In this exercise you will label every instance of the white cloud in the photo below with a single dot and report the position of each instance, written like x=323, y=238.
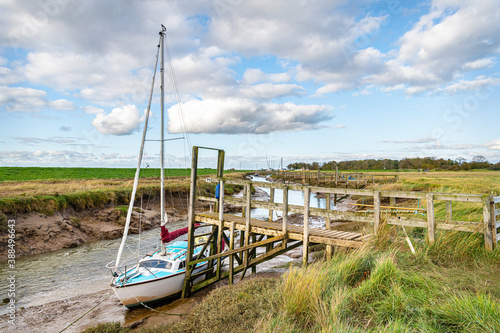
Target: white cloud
x=479, y=82
x=18, y=99
x=121, y=121
x=62, y=104
x=479, y=64
x=268, y=91
x=424, y=140
x=256, y=75
x=29, y=100
x=394, y=88
x=493, y=145
x=240, y=115
x=333, y=87
x=92, y=109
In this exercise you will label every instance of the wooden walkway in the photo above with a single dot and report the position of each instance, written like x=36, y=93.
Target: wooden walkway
x=322, y=236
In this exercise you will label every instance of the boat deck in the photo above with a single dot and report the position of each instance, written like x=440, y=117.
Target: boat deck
x=322, y=236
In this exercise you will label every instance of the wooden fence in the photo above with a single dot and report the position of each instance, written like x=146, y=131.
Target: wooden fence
x=488, y=225
x=337, y=179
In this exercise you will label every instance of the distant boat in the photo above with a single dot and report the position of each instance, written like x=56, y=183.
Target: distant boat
x=159, y=275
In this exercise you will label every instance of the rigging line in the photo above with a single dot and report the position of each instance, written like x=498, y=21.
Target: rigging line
x=77, y=319
x=176, y=91
x=141, y=150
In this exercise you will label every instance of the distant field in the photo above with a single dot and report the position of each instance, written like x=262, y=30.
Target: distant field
x=473, y=181
x=36, y=173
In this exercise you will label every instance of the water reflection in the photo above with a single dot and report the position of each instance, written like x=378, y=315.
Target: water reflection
x=294, y=198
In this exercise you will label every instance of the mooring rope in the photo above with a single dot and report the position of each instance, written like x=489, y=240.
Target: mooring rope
x=77, y=319
x=150, y=308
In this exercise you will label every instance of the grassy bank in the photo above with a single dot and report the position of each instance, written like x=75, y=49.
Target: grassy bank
x=50, y=195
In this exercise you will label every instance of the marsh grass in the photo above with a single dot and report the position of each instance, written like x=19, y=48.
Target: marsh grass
x=50, y=196
x=231, y=309
x=479, y=182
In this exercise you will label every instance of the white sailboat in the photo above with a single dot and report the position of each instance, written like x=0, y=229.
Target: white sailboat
x=159, y=275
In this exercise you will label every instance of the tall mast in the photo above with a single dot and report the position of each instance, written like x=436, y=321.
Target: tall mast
x=162, y=191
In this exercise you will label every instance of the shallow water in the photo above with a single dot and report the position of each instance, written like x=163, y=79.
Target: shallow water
x=294, y=198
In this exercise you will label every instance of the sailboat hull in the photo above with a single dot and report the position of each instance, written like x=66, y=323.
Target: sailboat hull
x=151, y=291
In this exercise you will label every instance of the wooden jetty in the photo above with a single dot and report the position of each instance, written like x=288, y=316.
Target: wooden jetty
x=278, y=237
x=334, y=178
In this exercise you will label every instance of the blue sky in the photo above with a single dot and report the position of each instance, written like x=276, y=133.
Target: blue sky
x=305, y=80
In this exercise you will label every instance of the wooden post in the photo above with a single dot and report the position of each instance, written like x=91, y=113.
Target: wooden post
x=271, y=199
x=285, y=215
x=231, y=257
x=186, y=290
x=248, y=207
x=449, y=211
x=336, y=176
x=488, y=223
x=329, y=248
x=221, y=227
x=431, y=222
x=220, y=164
x=242, y=238
x=327, y=207
x=305, y=243
x=335, y=199
x=392, y=201
x=493, y=222
x=254, y=240
x=376, y=211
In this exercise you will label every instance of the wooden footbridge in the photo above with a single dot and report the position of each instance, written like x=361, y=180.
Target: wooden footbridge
x=278, y=237
x=335, y=178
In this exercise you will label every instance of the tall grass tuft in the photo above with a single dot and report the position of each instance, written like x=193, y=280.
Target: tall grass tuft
x=231, y=309
x=479, y=313
x=452, y=247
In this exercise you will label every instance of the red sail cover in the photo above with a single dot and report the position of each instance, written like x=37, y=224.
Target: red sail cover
x=167, y=236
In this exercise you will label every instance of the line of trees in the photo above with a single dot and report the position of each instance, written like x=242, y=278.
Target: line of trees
x=430, y=163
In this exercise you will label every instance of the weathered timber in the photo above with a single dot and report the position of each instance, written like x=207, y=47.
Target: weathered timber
x=431, y=222
x=305, y=249
x=488, y=222
x=294, y=232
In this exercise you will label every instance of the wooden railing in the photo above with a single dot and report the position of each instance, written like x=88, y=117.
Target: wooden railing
x=488, y=226
x=334, y=178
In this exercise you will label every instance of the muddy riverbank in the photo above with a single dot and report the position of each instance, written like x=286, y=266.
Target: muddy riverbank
x=38, y=233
